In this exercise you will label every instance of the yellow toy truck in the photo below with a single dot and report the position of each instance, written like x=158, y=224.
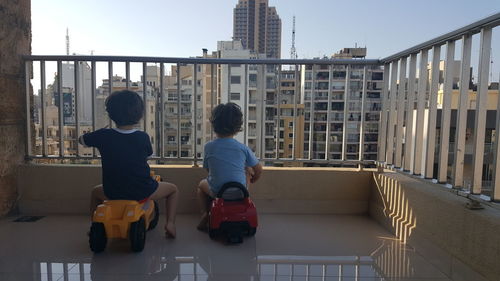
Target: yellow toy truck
x=123, y=219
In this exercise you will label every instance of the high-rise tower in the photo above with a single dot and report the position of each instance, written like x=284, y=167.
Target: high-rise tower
x=258, y=26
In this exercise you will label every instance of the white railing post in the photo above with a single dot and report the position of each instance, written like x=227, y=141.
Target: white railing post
x=400, y=111
x=382, y=136
x=392, y=114
x=421, y=97
x=461, y=128
x=495, y=181
x=446, y=112
x=431, y=124
x=481, y=102
x=410, y=106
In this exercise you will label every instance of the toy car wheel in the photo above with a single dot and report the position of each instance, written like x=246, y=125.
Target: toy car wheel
x=137, y=235
x=212, y=233
x=252, y=231
x=156, y=217
x=97, y=237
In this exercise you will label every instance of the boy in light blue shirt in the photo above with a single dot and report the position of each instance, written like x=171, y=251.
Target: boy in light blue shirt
x=226, y=159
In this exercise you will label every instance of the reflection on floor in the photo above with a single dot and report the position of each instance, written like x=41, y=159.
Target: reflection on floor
x=286, y=247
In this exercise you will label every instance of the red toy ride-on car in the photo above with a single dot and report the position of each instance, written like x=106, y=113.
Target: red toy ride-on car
x=232, y=213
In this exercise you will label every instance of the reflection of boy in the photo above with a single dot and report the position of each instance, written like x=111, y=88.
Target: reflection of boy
x=226, y=159
x=124, y=151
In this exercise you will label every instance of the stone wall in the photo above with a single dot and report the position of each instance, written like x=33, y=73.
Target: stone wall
x=15, y=41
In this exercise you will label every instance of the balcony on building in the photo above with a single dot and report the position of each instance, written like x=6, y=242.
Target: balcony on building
x=375, y=169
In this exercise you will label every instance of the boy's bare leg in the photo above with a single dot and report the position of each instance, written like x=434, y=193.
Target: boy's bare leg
x=96, y=198
x=202, y=193
x=170, y=192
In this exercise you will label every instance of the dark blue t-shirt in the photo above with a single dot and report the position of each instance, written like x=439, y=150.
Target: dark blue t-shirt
x=125, y=171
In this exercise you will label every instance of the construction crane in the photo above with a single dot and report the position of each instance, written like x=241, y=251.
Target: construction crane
x=293, y=51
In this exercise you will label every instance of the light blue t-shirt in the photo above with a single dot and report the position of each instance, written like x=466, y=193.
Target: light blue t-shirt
x=226, y=159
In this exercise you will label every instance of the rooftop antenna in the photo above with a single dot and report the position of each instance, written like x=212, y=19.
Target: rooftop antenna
x=293, y=51
x=67, y=41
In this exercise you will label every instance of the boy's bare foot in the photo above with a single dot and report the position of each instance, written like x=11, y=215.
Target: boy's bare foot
x=203, y=224
x=170, y=231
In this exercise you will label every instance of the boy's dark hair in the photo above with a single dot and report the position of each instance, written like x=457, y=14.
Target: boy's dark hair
x=227, y=119
x=125, y=107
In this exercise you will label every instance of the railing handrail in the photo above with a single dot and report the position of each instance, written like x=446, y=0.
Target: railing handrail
x=201, y=60
x=472, y=28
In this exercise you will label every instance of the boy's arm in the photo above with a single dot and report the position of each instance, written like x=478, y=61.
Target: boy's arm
x=91, y=139
x=257, y=171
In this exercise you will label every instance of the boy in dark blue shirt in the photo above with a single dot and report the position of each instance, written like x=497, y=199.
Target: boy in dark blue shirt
x=124, y=153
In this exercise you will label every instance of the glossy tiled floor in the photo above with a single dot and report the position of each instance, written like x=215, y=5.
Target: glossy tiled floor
x=286, y=247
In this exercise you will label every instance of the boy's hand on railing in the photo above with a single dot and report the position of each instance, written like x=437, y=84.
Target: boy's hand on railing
x=254, y=172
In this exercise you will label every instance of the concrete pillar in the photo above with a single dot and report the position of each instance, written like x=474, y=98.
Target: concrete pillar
x=15, y=31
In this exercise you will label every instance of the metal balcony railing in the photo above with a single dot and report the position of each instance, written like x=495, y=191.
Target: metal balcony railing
x=374, y=83
x=416, y=152
x=162, y=103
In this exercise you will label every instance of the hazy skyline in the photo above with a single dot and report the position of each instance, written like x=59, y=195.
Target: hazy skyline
x=183, y=28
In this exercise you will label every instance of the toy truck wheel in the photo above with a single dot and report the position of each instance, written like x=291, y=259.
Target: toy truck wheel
x=137, y=235
x=97, y=237
x=156, y=217
x=252, y=231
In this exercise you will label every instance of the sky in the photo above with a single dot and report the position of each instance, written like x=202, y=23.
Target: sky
x=168, y=28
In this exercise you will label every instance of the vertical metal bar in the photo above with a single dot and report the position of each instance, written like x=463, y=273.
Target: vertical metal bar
x=311, y=113
x=27, y=83
x=495, y=192
x=228, y=83
x=392, y=114
x=362, y=124
x=144, y=95
x=278, y=115
x=295, y=111
x=382, y=136
x=178, y=110
x=461, y=128
x=49, y=271
x=60, y=110
x=431, y=128
x=262, y=87
x=77, y=93
x=195, y=109
x=410, y=107
x=43, y=91
x=161, y=107
x=482, y=99
x=65, y=272
x=245, y=105
x=328, y=112
x=212, y=66
x=419, y=128
x=110, y=85
x=400, y=111
x=127, y=74
x=446, y=112
x=347, y=91
x=82, y=271
x=92, y=92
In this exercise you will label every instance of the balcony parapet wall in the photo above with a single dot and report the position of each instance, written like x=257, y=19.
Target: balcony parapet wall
x=437, y=223
x=65, y=189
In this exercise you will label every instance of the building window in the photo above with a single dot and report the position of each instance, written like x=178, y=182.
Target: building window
x=235, y=79
x=290, y=124
x=290, y=135
x=235, y=96
x=290, y=145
